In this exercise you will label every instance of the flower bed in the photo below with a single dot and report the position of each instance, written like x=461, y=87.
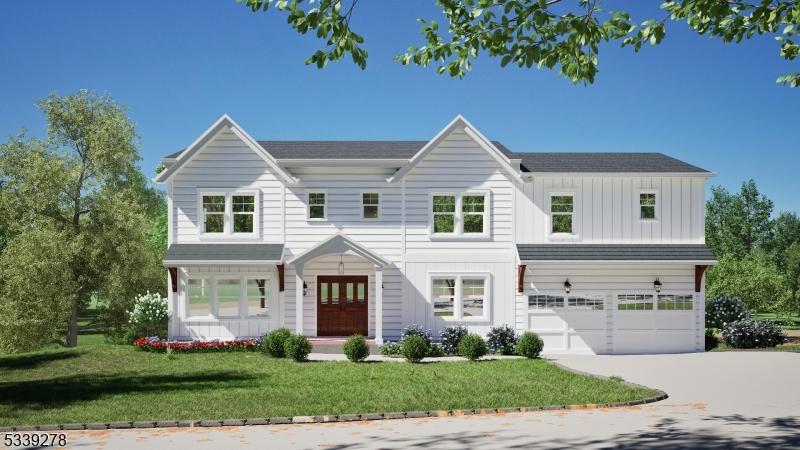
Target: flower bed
x=158, y=345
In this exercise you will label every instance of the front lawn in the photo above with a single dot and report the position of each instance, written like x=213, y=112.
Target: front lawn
x=786, y=321
x=117, y=383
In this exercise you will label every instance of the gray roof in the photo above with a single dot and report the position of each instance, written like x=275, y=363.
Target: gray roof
x=224, y=252
x=604, y=162
x=614, y=252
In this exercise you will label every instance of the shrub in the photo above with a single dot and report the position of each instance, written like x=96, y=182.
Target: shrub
x=149, y=315
x=753, y=334
x=529, y=345
x=451, y=336
x=356, y=348
x=501, y=340
x=390, y=349
x=414, y=347
x=275, y=341
x=416, y=330
x=297, y=347
x=712, y=341
x=472, y=347
x=435, y=351
x=722, y=310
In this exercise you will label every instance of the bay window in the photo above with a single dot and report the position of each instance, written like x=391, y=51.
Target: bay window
x=198, y=297
x=228, y=298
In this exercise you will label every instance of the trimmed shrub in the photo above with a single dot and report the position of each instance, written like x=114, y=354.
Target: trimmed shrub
x=390, y=349
x=416, y=330
x=753, y=334
x=435, y=351
x=529, y=345
x=712, y=341
x=451, y=336
x=356, y=348
x=414, y=348
x=722, y=310
x=472, y=347
x=501, y=340
x=297, y=347
x=274, y=342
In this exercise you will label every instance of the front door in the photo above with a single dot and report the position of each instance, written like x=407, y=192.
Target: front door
x=342, y=305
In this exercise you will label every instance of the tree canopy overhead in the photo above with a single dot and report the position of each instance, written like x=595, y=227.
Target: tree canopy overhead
x=564, y=35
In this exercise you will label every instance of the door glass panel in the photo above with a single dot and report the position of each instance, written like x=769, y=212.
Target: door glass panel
x=335, y=293
x=361, y=291
x=323, y=293
x=349, y=293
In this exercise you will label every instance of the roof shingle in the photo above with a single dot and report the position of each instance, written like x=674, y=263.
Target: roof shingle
x=614, y=252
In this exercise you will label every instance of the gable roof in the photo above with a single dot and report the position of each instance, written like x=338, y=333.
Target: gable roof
x=615, y=252
x=338, y=243
x=604, y=162
x=220, y=125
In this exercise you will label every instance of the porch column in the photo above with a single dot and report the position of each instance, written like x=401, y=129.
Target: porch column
x=379, y=305
x=298, y=305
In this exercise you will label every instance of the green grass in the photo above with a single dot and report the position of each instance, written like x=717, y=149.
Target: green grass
x=793, y=347
x=111, y=383
x=787, y=321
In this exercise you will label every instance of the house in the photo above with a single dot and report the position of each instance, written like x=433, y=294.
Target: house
x=596, y=252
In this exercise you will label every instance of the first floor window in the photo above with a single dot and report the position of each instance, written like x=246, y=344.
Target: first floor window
x=444, y=294
x=473, y=209
x=562, y=209
x=214, y=213
x=635, y=302
x=647, y=206
x=316, y=205
x=198, y=297
x=673, y=302
x=444, y=214
x=545, y=301
x=244, y=209
x=472, y=297
x=257, y=297
x=228, y=298
x=369, y=205
x=586, y=302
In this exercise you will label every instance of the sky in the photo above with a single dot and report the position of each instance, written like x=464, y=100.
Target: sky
x=180, y=65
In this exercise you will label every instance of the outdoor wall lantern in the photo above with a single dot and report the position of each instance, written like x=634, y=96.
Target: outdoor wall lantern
x=567, y=286
x=657, y=285
x=341, y=265
x=305, y=288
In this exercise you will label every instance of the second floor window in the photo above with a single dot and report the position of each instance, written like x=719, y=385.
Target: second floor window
x=460, y=214
x=562, y=211
x=228, y=213
x=369, y=205
x=244, y=210
x=472, y=207
x=444, y=213
x=214, y=213
x=316, y=205
x=647, y=206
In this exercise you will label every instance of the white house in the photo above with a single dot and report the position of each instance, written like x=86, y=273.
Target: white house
x=596, y=252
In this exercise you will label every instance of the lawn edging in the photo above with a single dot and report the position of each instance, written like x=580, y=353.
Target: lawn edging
x=117, y=425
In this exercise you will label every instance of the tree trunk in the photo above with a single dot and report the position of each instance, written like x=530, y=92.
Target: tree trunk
x=72, y=326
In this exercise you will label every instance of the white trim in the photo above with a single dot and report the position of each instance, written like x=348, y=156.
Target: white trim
x=324, y=217
x=337, y=244
x=361, y=202
x=458, y=301
x=575, y=236
x=458, y=122
x=224, y=122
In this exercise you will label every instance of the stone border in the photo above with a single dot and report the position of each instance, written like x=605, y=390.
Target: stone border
x=660, y=395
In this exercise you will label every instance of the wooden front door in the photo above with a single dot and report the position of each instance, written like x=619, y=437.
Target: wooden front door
x=342, y=305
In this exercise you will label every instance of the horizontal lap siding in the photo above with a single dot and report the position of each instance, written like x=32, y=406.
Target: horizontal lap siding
x=607, y=209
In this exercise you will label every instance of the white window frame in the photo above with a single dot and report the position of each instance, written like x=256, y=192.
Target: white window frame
x=244, y=309
x=361, y=201
x=228, y=233
x=217, y=279
x=212, y=290
x=213, y=308
x=576, y=217
x=656, y=208
x=458, y=304
x=324, y=205
x=458, y=215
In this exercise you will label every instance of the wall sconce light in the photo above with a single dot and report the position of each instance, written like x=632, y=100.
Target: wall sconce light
x=567, y=286
x=341, y=265
x=657, y=285
x=305, y=288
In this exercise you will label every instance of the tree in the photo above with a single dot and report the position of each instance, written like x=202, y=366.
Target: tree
x=549, y=33
x=792, y=271
x=737, y=224
x=786, y=231
x=79, y=200
x=751, y=278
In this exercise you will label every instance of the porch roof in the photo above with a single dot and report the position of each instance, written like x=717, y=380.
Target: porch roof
x=336, y=244
x=221, y=253
x=672, y=253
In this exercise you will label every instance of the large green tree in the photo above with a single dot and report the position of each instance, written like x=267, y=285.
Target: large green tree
x=78, y=219
x=751, y=278
x=557, y=34
x=738, y=223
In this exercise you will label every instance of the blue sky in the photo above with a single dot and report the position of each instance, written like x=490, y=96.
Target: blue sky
x=179, y=65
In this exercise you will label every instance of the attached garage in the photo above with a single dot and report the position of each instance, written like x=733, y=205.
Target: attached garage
x=601, y=299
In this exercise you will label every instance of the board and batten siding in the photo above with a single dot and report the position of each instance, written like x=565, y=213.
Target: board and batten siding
x=607, y=209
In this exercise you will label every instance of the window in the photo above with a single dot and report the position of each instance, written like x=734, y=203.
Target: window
x=635, y=302
x=444, y=294
x=316, y=205
x=472, y=296
x=244, y=210
x=562, y=209
x=369, y=205
x=647, y=206
x=586, y=302
x=472, y=207
x=228, y=298
x=545, y=301
x=673, y=302
x=257, y=297
x=444, y=214
x=214, y=213
x=198, y=297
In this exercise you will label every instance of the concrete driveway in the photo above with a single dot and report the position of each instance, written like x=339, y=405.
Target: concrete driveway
x=717, y=400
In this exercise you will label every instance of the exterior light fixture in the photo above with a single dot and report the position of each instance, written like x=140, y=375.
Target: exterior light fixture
x=657, y=285
x=341, y=265
x=567, y=286
x=305, y=288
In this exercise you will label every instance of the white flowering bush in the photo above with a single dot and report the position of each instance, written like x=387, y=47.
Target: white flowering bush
x=149, y=315
x=753, y=334
x=723, y=310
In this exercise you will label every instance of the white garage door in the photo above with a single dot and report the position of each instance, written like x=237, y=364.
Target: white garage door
x=650, y=323
x=574, y=323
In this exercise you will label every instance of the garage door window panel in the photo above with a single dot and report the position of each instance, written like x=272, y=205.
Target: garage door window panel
x=635, y=302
